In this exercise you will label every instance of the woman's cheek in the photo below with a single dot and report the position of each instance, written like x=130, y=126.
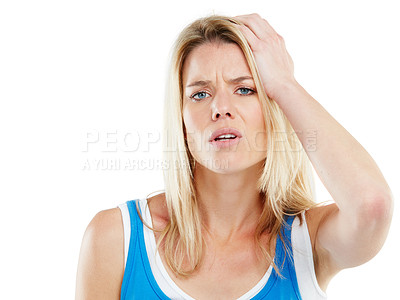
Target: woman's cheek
x=190, y=121
x=256, y=125
x=193, y=130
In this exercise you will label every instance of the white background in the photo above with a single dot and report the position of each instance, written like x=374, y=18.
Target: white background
x=70, y=70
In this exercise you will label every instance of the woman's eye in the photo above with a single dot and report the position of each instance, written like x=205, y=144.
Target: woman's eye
x=246, y=91
x=199, y=96
x=202, y=95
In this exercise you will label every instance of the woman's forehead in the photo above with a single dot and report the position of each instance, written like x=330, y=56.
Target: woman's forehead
x=207, y=60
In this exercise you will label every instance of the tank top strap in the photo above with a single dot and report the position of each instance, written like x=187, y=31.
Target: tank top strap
x=133, y=242
x=138, y=281
x=287, y=284
x=283, y=250
x=283, y=286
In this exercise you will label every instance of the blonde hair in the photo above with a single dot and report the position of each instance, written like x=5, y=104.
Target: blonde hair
x=285, y=183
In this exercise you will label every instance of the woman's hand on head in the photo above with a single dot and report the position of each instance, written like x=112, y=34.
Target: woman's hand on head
x=274, y=63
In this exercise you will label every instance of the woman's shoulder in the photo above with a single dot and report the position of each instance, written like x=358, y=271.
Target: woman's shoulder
x=101, y=260
x=106, y=225
x=104, y=234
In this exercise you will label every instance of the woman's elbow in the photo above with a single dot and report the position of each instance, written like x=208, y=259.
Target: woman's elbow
x=376, y=213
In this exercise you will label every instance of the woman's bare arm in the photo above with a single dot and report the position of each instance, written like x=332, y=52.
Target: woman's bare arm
x=353, y=230
x=101, y=260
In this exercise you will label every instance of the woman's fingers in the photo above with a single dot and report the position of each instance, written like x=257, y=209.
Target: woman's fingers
x=249, y=35
x=259, y=26
x=273, y=61
x=270, y=28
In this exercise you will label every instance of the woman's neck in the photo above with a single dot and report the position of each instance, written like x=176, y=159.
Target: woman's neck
x=230, y=204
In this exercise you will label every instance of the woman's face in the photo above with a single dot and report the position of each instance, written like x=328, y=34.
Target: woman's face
x=219, y=93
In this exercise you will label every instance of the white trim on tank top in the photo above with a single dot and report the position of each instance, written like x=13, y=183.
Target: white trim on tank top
x=302, y=256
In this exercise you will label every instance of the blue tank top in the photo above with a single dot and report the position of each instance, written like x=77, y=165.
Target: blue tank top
x=139, y=282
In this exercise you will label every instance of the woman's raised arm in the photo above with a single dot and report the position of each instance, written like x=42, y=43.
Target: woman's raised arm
x=353, y=231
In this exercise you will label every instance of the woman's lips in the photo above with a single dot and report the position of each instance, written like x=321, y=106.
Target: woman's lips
x=222, y=131
x=225, y=143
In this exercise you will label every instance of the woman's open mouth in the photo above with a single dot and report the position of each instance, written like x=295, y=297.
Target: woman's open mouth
x=223, y=143
x=225, y=137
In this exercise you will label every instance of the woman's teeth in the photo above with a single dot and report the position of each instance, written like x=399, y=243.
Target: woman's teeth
x=225, y=137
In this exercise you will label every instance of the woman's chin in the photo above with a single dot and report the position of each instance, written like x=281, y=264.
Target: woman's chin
x=223, y=165
x=229, y=164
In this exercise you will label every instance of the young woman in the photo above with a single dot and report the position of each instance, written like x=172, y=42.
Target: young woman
x=237, y=219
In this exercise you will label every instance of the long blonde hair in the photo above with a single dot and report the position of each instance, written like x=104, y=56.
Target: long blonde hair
x=286, y=179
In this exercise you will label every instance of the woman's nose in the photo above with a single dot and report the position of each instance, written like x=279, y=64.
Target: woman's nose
x=222, y=107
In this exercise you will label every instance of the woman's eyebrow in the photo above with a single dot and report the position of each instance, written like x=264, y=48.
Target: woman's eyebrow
x=240, y=79
x=199, y=83
x=206, y=82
